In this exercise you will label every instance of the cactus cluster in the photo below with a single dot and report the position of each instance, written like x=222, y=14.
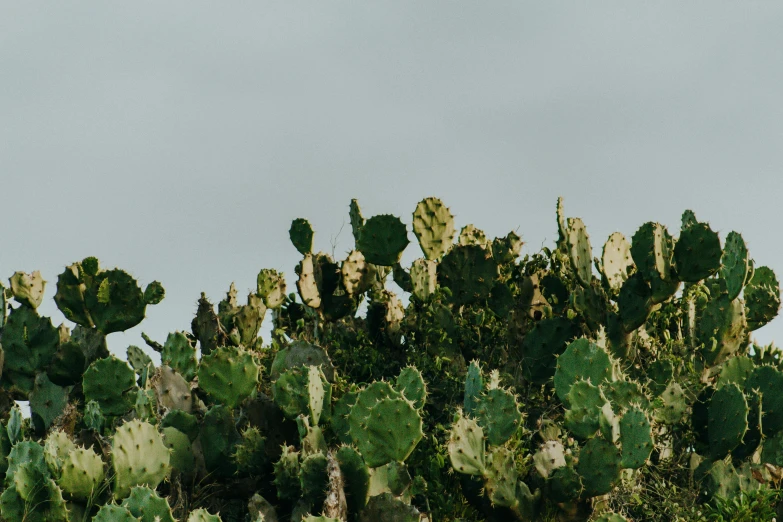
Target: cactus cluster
x=556, y=385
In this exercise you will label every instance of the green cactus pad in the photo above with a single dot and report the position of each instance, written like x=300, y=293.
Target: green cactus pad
x=498, y=413
x=180, y=354
x=580, y=251
x=583, y=419
x=355, y=273
x=474, y=387
x=147, y=506
x=549, y=457
x=171, y=390
x=356, y=218
x=112, y=384
x=138, y=360
x=470, y=235
x=735, y=264
x=542, y=345
x=634, y=302
x=218, y=437
x=270, y=286
x=565, y=485
x=68, y=364
x=625, y=394
x=769, y=381
x=616, y=261
x=424, y=278
x=93, y=416
x=29, y=342
x=697, y=253
x=56, y=448
x=390, y=431
x=47, y=401
x=183, y=421
x=635, y=438
x=313, y=478
x=286, y=471
x=722, y=329
x=339, y=421
x=202, y=515
x=762, y=298
x=382, y=240
x=652, y=250
x=599, y=466
x=356, y=475
x=182, y=457
x=501, y=478
x=114, y=513
x=306, y=285
x=735, y=370
x=772, y=452
x=670, y=406
x=466, y=447
x=469, y=272
x=506, y=249
x=301, y=234
x=727, y=420
x=115, y=301
x=412, y=386
x=154, y=293
x=582, y=359
x=138, y=457
x=28, y=289
x=433, y=226
x=206, y=327
x=228, y=374
x=298, y=354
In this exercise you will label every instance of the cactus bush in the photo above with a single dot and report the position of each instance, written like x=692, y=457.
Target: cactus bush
x=498, y=386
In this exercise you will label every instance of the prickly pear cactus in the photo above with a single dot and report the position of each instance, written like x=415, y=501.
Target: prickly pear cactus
x=491, y=384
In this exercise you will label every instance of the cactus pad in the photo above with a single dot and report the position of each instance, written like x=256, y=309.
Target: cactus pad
x=112, y=384
x=635, y=438
x=393, y=429
x=697, y=253
x=599, y=466
x=301, y=234
x=542, y=345
x=228, y=374
x=382, y=240
x=138, y=457
x=762, y=298
x=466, y=447
x=147, y=506
x=582, y=359
x=549, y=457
x=616, y=261
x=28, y=289
x=735, y=264
x=412, y=386
x=433, y=226
x=769, y=381
x=580, y=251
x=727, y=420
x=498, y=413
x=469, y=272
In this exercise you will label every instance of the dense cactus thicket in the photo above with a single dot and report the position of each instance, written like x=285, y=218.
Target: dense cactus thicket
x=550, y=386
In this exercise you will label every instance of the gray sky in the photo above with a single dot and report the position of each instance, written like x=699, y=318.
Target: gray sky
x=178, y=140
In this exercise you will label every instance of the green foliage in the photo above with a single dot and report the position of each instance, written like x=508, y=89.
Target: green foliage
x=551, y=386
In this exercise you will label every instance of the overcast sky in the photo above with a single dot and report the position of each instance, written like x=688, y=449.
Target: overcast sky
x=178, y=140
